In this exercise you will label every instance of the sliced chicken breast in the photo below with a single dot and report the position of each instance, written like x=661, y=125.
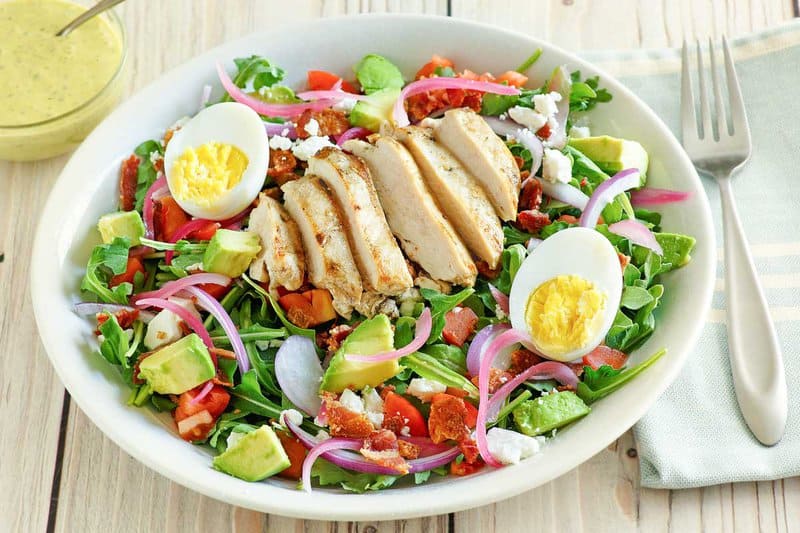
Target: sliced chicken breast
x=425, y=235
x=328, y=258
x=487, y=157
x=458, y=193
x=281, y=261
x=380, y=261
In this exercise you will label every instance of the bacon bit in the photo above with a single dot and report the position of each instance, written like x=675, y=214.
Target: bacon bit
x=394, y=423
x=497, y=378
x=381, y=447
x=407, y=450
x=487, y=272
x=343, y=422
x=331, y=122
x=520, y=162
x=168, y=136
x=281, y=166
x=522, y=360
x=385, y=390
x=135, y=375
x=577, y=368
x=424, y=104
x=470, y=450
x=458, y=393
x=465, y=469
x=447, y=419
x=125, y=319
x=624, y=260
x=569, y=219
x=273, y=192
x=127, y=183
x=531, y=195
x=532, y=220
x=220, y=352
x=584, y=182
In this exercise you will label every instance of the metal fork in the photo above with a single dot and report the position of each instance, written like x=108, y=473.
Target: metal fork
x=720, y=149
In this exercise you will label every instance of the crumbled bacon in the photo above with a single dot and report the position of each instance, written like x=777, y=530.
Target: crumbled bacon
x=342, y=422
x=331, y=122
x=624, y=260
x=519, y=161
x=487, y=272
x=125, y=318
x=394, y=423
x=521, y=360
x=425, y=104
x=531, y=195
x=382, y=447
x=497, y=378
x=447, y=419
x=470, y=450
x=127, y=183
x=407, y=450
x=281, y=166
x=532, y=220
x=569, y=219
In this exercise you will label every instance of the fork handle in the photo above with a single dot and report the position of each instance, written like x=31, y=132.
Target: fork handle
x=756, y=361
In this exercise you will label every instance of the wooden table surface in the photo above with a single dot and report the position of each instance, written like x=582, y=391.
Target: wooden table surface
x=59, y=473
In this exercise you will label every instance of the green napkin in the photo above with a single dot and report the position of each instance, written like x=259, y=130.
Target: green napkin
x=694, y=435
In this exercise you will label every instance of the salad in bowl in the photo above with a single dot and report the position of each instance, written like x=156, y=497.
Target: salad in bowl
x=369, y=280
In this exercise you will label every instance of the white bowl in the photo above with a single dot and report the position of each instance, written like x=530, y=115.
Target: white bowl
x=87, y=189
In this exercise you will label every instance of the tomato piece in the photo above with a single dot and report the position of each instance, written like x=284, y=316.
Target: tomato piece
x=603, y=355
x=513, y=78
x=458, y=325
x=205, y=232
x=297, y=454
x=321, y=305
x=134, y=265
x=215, y=291
x=464, y=469
x=471, y=420
x=214, y=404
x=544, y=131
x=298, y=309
x=168, y=218
x=396, y=405
x=532, y=220
x=429, y=68
x=569, y=219
x=128, y=176
x=322, y=80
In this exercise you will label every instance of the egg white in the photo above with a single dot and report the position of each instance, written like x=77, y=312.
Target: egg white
x=230, y=123
x=580, y=252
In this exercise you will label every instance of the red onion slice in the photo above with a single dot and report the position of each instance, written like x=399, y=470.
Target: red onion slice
x=194, y=323
x=546, y=370
x=264, y=108
x=93, y=308
x=477, y=346
x=421, y=333
x=158, y=187
x=415, y=87
x=320, y=449
x=207, y=302
x=561, y=83
x=523, y=135
x=500, y=298
x=273, y=129
x=650, y=196
x=352, y=133
x=637, y=233
x=605, y=192
x=174, y=287
x=181, y=233
x=203, y=392
x=299, y=373
x=331, y=94
x=564, y=192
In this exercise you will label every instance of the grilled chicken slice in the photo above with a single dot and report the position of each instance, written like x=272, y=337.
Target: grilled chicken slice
x=458, y=193
x=281, y=261
x=473, y=142
x=330, y=264
x=380, y=261
x=425, y=235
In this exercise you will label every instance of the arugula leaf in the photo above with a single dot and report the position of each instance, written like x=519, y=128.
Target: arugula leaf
x=635, y=297
x=553, y=228
x=146, y=172
x=264, y=371
x=162, y=404
x=511, y=260
x=597, y=384
x=256, y=72
x=528, y=63
x=441, y=304
x=328, y=473
x=512, y=235
x=294, y=330
x=227, y=424
x=108, y=260
x=404, y=331
x=247, y=397
x=429, y=367
x=115, y=345
x=586, y=94
x=518, y=150
x=448, y=355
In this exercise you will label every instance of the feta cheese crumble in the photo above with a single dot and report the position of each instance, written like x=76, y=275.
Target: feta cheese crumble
x=305, y=149
x=345, y=104
x=510, y=447
x=279, y=142
x=556, y=167
x=312, y=127
x=579, y=132
x=546, y=103
x=166, y=325
x=351, y=401
x=424, y=389
x=527, y=117
x=374, y=406
x=292, y=415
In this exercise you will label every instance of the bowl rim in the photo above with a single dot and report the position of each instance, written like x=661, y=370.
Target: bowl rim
x=416, y=501
x=116, y=24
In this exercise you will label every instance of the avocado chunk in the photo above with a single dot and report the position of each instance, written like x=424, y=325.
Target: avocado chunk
x=121, y=224
x=256, y=456
x=178, y=367
x=373, y=111
x=612, y=154
x=230, y=252
x=371, y=337
x=375, y=72
x=677, y=250
x=548, y=412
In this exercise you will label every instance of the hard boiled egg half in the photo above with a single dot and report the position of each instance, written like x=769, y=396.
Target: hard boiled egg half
x=217, y=162
x=566, y=294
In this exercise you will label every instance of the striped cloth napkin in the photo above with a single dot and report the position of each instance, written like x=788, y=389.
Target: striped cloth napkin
x=694, y=435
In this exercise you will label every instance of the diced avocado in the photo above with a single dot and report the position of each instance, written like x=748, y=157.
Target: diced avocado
x=371, y=112
x=256, y=456
x=277, y=94
x=371, y=337
x=375, y=72
x=230, y=252
x=677, y=250
x=612, y=154
x=178, y=367
x=121, y=224
x=548, y=412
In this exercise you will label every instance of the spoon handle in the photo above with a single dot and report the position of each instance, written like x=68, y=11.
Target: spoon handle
x=98, y=8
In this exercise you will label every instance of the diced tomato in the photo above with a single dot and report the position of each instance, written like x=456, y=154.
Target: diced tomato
x=569, y=219
x=298, y=309
x=205, y=232
x=297, y=454
x=321, y=305
x=127, y=183
x=168, y=218
x=215, y=291
x=532, y=220
x=458, y=325
x=603, y=355
x=469, y=75
x=513, y=78
x=544, y=131
x=429, y=68
x=464, y=469
x=531, y=195
x=214, y=404
x=134, y=265
x=396, y=405
x=471, y=420
x=322, y=80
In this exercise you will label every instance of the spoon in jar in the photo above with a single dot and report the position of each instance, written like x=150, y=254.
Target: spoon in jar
x=98, y=8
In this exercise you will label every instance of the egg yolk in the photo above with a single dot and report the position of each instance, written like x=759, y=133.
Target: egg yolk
x=562, y=313
x=204, y=174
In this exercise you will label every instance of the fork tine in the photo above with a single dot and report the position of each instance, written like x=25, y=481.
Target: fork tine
x=738, y=115
x=688, y=117
x=706, y=131
x=722, y=124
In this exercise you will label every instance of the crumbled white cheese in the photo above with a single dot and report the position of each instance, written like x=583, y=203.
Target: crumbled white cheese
x=279, y=142
x=499, y=313
x=321, y=435
x=424, y=389
x=166, y=325
x=292, y=415
x=155, y=156
x=546, y=103
x=305, y=149
x=527, y=117
x=510, y=447
x=556, y=167
x=234, y=437
x=579, y=132
x=405, y=431
x=312, y=127
x=345, y=104
x=374, y=406
x=351, y=401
